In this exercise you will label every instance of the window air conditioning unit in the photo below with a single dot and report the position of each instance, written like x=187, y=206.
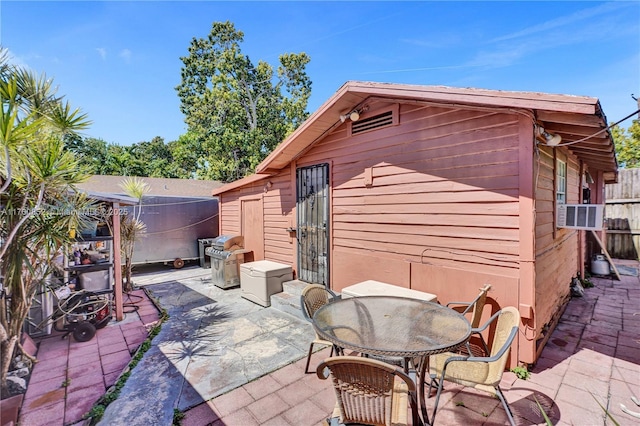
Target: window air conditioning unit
x=580, y=216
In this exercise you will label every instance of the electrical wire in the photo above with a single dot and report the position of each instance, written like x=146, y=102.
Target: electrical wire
x=204, y=200
x=595, y=134
x=182, y=227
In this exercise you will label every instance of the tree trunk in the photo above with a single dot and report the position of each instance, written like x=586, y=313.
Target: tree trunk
x=8, y=345
x=127, y=285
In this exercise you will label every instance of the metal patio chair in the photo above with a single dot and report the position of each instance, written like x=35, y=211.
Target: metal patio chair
x=313, y=297
x=368, y=391
x=484, y=372
x=475, y=308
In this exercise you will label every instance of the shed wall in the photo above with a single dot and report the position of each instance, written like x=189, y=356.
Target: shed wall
x=427, y=203
x=432, y=203
x=557, y=254
x=278, y=194
x=444, y=193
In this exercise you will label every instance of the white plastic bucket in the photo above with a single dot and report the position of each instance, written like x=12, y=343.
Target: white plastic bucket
x=599, y=265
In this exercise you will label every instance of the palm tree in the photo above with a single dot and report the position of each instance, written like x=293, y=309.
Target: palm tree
x=38, y=201
x=131, y=227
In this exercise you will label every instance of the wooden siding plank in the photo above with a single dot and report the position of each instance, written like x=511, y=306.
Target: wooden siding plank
x=436, y=230
x=466, y=175
x=472, y=244
x=488, y=183
x=426, y=219
x=418, y=134
x=394, y=147
x=495, y=209
x=412, y=195
x=430, y=184
x=433, y=256
x=428, y=163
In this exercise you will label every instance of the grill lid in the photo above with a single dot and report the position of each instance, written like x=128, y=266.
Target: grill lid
x=228, y=242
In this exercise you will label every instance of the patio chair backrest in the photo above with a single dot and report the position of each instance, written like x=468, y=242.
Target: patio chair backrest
x=480, y=372
x=508, y=319
x=477, y=306
x=313, y=297
x=367, y=391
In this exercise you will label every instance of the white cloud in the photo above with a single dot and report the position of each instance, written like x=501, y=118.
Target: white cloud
x=102, y=52
x=563, y=22
x=443, y=41
x=126, y=55
x=14, y=60
x=580, y=27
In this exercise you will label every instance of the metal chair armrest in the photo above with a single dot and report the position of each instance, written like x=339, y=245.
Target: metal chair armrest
x=458, y=306
x=486, y=324
x=458, y=303
x=304, y=310
x=503, y=349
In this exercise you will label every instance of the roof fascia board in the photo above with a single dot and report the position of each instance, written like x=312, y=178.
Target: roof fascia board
x=240, y=182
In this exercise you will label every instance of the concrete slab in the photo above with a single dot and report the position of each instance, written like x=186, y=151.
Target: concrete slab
x=213, y=342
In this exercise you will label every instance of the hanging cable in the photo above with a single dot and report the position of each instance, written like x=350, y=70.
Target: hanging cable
x=178, y=203
x=182, y=227
x=597, y=133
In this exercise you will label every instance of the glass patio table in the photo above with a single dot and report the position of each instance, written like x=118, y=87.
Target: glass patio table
x=391, y=326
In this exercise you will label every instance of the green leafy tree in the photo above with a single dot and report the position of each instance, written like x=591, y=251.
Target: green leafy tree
x=155, y=157
x=627, y=143
x=92, y=152
x=121, y=161
x=38, y=204
x=188, y=157
x=177, y=159
x=239, y=111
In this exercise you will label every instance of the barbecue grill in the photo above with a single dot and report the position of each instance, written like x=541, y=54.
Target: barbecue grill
x=227, y=253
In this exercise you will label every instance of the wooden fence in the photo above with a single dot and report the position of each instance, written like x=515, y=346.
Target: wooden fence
x=623, y=215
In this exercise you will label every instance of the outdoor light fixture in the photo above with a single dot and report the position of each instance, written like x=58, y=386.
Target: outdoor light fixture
x=353, y=115
x=550, y=139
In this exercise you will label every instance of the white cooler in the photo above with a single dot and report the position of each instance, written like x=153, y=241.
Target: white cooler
x=260, y=279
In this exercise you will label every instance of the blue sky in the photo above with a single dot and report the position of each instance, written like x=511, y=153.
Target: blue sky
x=120, y=61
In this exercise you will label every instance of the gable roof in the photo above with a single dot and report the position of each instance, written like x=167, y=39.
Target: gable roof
x=157, y=186
x=571, y=117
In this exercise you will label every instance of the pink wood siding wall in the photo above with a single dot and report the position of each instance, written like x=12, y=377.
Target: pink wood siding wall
x=279, y=214
x=434, y=203
x=557, y=250
x=431, y=204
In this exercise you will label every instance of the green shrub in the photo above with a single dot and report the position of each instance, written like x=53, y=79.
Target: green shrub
x=521, y=372
x=177, y=417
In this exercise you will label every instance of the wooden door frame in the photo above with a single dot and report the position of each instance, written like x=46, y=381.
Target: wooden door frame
x=329, y=234
x=260, y=199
